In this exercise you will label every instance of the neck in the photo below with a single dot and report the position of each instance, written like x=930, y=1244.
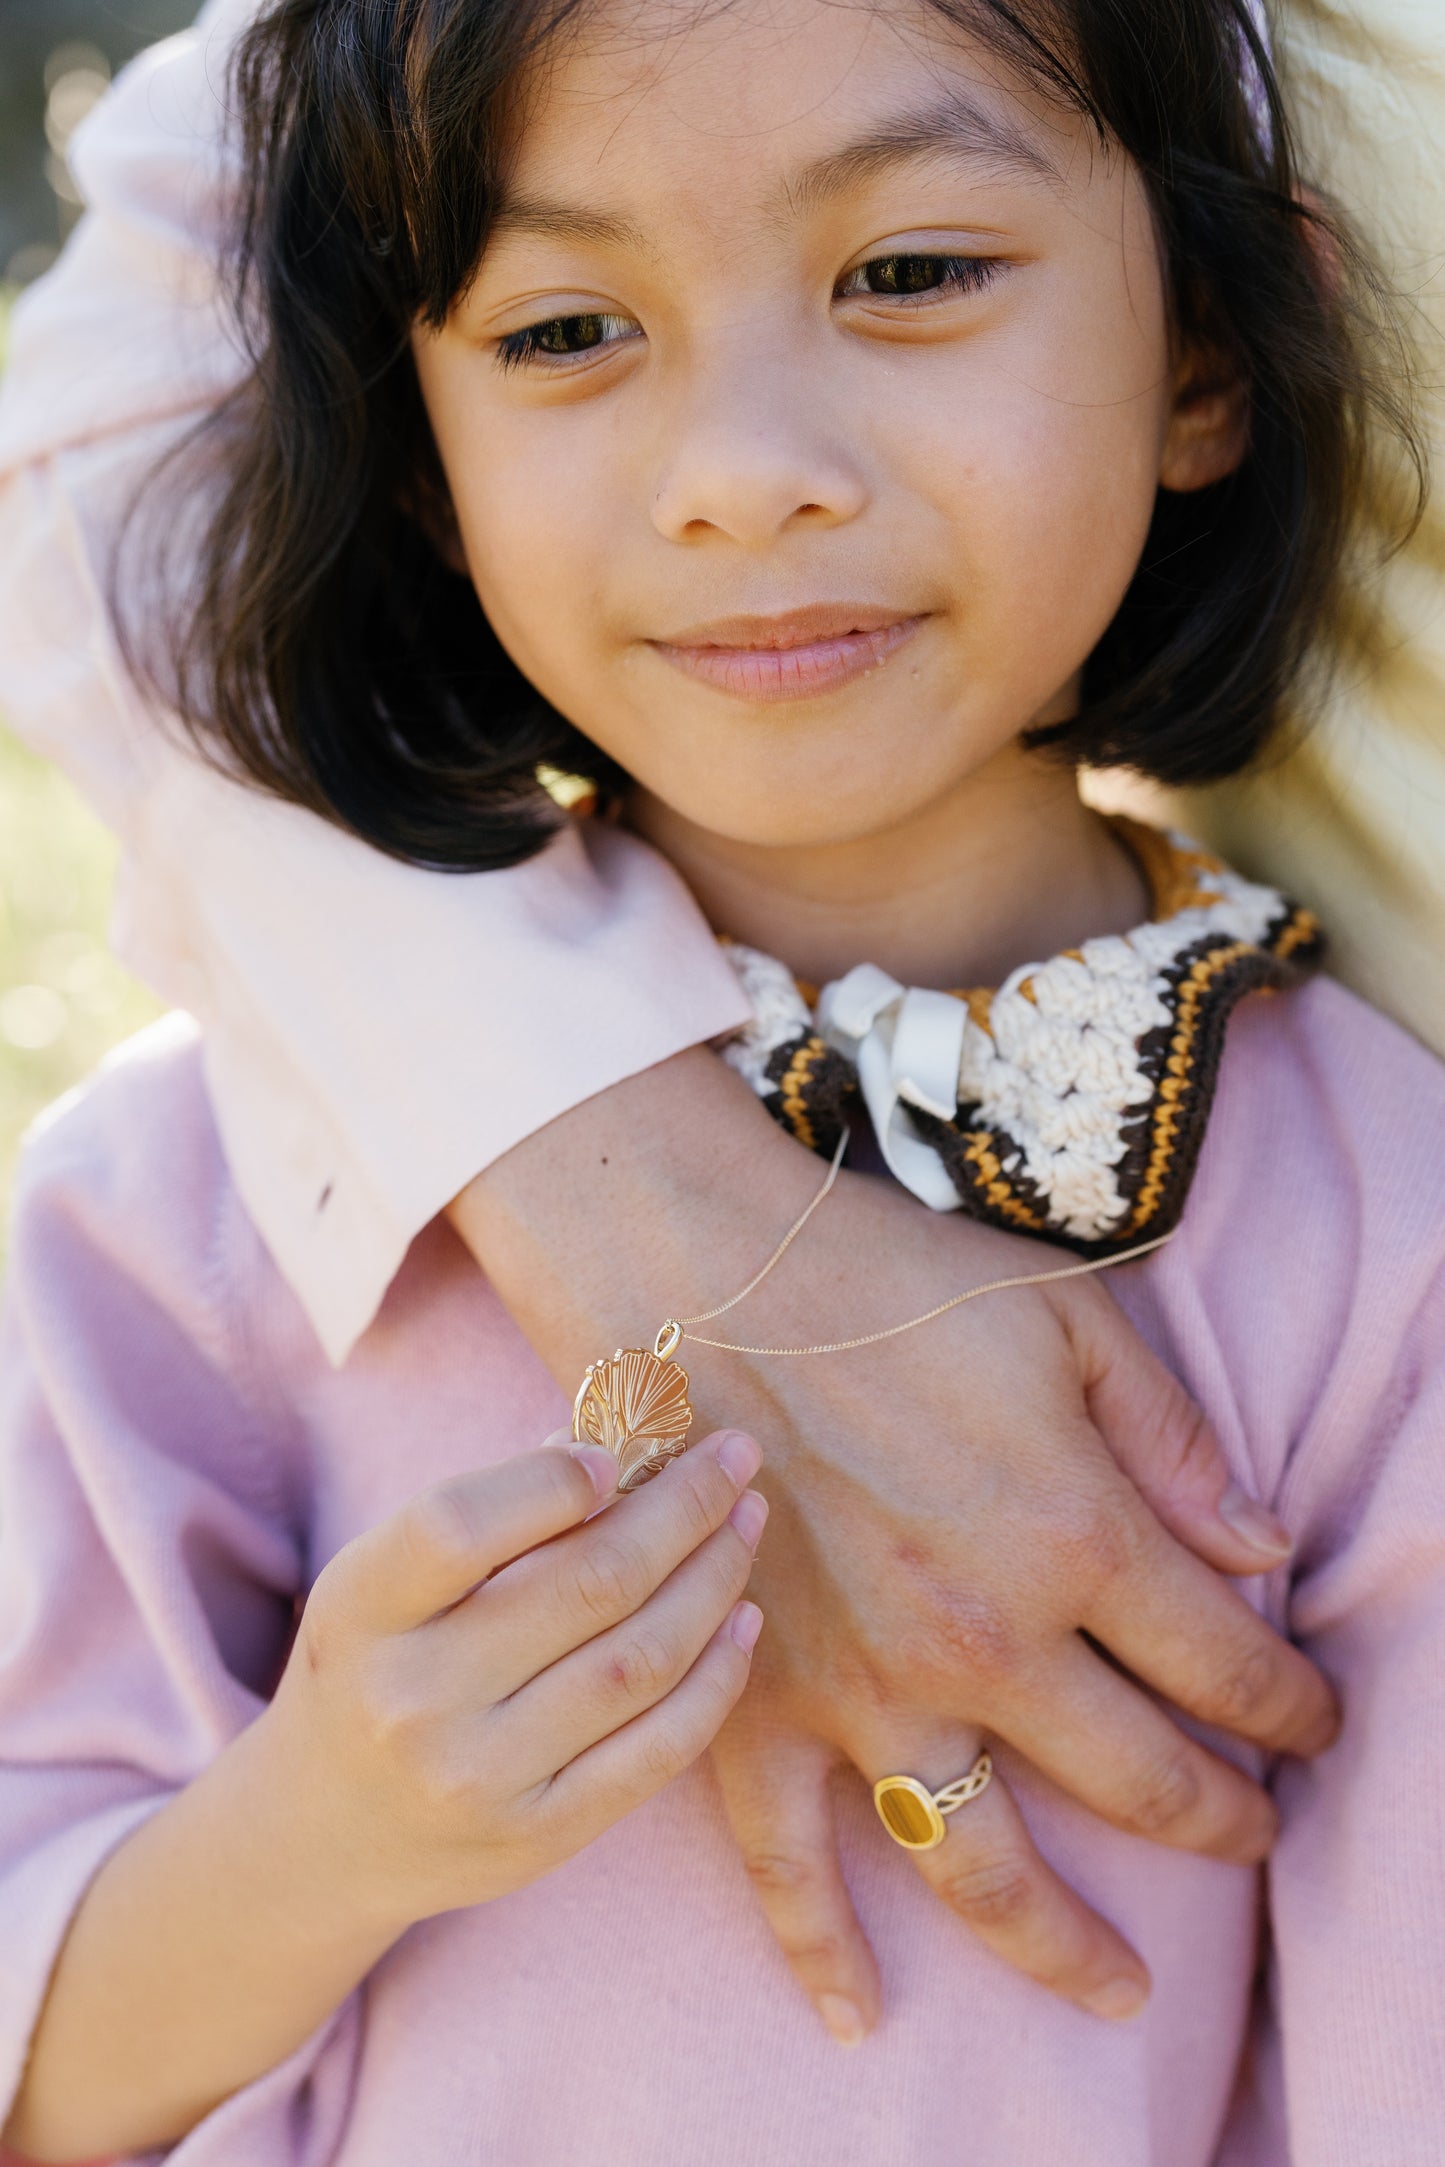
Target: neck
x=1009, y=868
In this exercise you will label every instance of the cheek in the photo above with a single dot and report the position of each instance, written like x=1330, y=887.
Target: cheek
x=1066, y=493
x=1047, y=469
x=534, y=519
x=534, y=530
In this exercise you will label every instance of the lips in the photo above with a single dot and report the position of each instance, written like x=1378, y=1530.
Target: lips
x=791, y=657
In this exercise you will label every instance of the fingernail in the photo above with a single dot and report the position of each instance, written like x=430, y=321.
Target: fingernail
x=738, y=1456
x=749, y=1516
x=1120, y=1998
x=601, y=1466
x=843, y=2019
x=1253, y=1524
x=747, y=1623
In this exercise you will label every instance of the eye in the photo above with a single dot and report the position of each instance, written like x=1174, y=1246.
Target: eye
x=559, y=339
x=918, y=277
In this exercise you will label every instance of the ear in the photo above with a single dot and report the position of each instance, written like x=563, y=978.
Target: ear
x=1208, y=432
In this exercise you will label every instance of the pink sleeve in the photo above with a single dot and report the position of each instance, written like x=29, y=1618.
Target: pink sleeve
x=150, y=1547
x=375, y=1035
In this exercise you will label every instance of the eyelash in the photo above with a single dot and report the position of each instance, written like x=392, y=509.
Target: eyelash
x=959, y=275
x=519, y=348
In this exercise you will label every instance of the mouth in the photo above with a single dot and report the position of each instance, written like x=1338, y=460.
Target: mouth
x=791, y=657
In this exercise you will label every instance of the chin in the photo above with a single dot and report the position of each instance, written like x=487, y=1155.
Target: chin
x=796, y=819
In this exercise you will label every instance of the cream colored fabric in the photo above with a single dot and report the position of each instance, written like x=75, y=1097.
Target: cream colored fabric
x=1353, y=822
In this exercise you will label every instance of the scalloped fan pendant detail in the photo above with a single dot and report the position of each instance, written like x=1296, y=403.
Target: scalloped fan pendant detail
x=636, y=1406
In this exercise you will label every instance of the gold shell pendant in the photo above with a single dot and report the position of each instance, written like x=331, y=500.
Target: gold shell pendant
x=637, y=1407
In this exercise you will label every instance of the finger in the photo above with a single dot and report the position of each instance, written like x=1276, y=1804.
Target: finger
x=622, y=1770
x=1164, y=1444
x=443, y=1542
x=989, y=1871
x=1172, y=1622
x=1103, y=1740
x=777, y=1790
x=549, y=1603
x=619, y=1674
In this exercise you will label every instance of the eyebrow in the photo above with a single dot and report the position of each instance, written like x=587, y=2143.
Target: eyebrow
x=954, y=128
x=565, y=222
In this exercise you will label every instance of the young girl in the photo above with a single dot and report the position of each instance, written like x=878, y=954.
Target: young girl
x=817, y=487
x=380, y=1038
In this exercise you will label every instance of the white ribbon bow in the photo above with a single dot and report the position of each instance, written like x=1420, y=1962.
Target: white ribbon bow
x=907, y=1046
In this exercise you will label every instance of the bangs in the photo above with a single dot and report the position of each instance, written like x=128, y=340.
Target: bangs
x=420, y=100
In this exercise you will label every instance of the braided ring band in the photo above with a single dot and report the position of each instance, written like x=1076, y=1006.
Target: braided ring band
x=913, y=1815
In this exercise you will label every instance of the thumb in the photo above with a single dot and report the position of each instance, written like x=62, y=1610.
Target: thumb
x=1166, y=1445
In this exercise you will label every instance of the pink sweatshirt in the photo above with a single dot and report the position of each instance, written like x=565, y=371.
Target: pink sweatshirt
x=178, y=1459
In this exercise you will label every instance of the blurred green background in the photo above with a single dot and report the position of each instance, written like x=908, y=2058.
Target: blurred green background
x=63, y=998
x=56, y=57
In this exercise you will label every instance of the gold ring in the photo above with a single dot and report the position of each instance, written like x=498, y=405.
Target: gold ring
x=913, y=1815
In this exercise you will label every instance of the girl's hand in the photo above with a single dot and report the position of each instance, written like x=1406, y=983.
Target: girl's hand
x=956, y=1511
x=482, y=1684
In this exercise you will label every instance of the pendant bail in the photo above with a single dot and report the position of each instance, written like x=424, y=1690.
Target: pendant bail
x=668, y=1340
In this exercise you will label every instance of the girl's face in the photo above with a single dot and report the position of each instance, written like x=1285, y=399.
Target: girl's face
x=804, y=421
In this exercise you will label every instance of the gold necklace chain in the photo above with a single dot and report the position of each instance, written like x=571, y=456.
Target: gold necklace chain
x=635, y=1404
x=676, y=1328
x=705, y=1316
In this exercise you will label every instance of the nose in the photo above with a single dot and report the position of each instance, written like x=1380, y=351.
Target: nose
x=750, y=455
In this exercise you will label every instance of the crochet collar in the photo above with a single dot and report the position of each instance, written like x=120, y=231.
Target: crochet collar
x=1071, y=1101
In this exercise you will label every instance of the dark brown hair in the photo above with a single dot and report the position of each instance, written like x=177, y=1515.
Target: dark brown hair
x=324, y=649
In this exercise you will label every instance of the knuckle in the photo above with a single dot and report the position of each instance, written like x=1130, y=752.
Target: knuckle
x=721, y=1683
x=320, y=1629
x=818, y=1956
x=441, y=1790
x=1187, y=1440
x=699, y=1499
x=1090, y=1543
x=1084, y=1301
x=1247, y=1689
x=871, y=1683
x=1165, y=1795
x=959, y=1633
x=569, y=1491
x=398, y=1727
x=781, y=1874
x=641, y=1667
x=609, y=1579
x=420, y=1759
x=729, y=1570
x=437, y=1527
x=1312, y=1721
x=667, y=1753
x=993, y=1892
x=313, y=1648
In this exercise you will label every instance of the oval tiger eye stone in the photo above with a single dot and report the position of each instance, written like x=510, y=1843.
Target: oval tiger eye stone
x=908, y=1813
